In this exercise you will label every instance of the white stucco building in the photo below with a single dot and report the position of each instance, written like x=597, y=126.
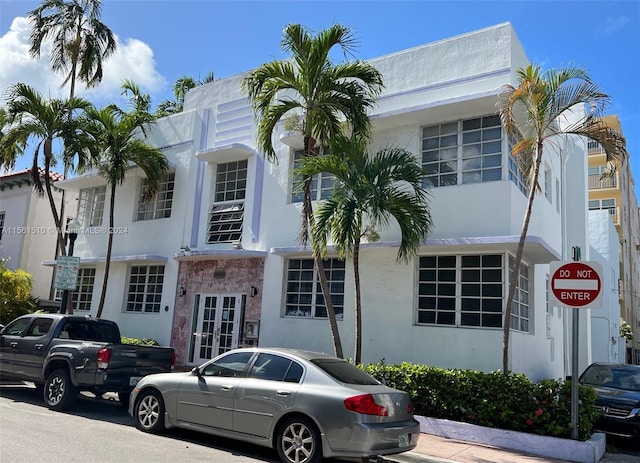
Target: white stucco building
x=213, y=262
x=27, y=229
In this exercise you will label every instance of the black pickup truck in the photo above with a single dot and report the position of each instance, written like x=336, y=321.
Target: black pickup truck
x=65, y=354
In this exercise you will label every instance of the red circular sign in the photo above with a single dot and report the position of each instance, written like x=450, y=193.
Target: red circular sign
x=576, y=284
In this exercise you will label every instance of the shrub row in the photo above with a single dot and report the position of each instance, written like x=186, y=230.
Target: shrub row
x=139, y=342
x=496, y=400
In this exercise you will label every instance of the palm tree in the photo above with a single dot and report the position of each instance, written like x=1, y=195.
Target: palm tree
x=116, y=136
x=80, y=40
x=533, y=112
x=180, y=89
x=325, y=95
x=370, y=193
x=47, y=122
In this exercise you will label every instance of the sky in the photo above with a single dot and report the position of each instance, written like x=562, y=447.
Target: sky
x=161, y=40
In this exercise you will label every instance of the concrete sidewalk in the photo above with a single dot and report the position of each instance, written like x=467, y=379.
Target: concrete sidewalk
x=435, y=449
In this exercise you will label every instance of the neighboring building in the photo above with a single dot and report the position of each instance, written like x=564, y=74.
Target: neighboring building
x=27, y=230
x=617, y=195
x=214, y=262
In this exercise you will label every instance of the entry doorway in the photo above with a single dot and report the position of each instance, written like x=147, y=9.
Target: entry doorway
x=216, y=320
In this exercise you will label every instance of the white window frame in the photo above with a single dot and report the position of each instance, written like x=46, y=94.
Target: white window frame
x=83, y=294
x=520, y=308
x=226, y=214
x=91, y=202
x=148, y=282
x=463, y=152
x=159, y=206
x=303, y=294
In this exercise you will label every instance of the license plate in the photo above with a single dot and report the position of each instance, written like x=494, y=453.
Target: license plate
x=133, y=380
x=404, y=440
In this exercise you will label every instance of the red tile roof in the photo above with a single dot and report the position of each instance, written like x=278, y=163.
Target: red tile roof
x=53, y=176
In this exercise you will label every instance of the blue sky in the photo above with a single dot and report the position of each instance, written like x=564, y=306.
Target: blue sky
x=161, y=40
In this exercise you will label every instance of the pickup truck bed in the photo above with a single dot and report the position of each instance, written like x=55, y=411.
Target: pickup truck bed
x=65, y=354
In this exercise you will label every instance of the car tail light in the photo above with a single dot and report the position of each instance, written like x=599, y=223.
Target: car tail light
x=410, y=408
x=366, y=405
x=173, y=358
x=104, y=357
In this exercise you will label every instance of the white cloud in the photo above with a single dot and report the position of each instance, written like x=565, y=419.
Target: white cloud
x=133, y=60
x=612, y=25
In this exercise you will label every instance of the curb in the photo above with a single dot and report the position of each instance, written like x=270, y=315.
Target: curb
x=590, y=451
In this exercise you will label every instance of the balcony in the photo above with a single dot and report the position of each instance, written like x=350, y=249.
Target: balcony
x=594, y=148
x=597, y=183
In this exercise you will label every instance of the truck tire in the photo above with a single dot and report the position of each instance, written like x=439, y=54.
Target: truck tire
x=149, y=412
x=59, y=391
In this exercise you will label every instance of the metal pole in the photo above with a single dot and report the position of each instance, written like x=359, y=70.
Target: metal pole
x=574, y=364
x=65, y=293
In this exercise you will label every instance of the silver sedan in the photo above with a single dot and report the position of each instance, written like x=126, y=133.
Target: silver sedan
x=308, y=406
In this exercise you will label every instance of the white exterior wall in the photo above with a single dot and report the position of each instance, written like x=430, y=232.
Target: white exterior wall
x=29, y=236
x=607, y=345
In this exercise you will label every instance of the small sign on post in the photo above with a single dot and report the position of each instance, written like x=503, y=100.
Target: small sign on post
x=66, y=272
x=576, y=284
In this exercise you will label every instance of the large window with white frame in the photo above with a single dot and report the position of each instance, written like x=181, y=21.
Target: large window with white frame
x=303, y=293
x=159, y=205
x=463, y=152
x=321, y=184
x=83, y=294
x=226, y=214
x=144, y=293
x=91, y=206
x=520, y=305
x=461, y=290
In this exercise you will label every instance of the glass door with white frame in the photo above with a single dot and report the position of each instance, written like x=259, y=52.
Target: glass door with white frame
x=217, y=325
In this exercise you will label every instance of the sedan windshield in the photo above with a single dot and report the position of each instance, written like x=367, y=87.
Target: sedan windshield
x=345, y=372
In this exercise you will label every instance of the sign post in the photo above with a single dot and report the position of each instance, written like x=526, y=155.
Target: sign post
x=575, y=284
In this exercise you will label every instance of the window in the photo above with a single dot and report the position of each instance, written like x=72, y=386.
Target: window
x=547, y=183
x=82, y=295
x=158, y=206
x=461, y=290
x=91, y=206
x=515, y=172
x=303, y=294
x=321, y=184
x=468, y=151
x=603, y=204
x=345, y=372
x=39, y=327
x=145, y=288
x=2, y=213
x=226, y=214
x=231, y=365
x=275, y=368
x=520, y=305
x=16, y=327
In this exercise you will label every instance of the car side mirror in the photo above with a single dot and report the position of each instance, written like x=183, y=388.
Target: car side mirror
x=196, y=372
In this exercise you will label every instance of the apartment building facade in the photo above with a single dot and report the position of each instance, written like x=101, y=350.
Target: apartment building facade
x=213, y=262
x=617, y=195
x=27, y=229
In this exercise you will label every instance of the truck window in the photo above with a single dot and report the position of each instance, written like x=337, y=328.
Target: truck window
x=16, y=327
x=90, y=330
x=39, y=327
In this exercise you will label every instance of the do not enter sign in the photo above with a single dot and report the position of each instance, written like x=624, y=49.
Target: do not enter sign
x=576, y=284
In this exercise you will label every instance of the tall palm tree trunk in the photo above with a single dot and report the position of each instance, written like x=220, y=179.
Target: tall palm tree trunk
x=322, y=276
x=518, y=260
x=57, y=220
x=107, y=259
x=356, y=274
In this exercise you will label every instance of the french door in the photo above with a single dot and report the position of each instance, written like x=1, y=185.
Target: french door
x=217, y=325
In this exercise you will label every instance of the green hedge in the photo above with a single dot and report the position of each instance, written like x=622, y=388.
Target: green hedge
x=139, y=342
x=496, y=400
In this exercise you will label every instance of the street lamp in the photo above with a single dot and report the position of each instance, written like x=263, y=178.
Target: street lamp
x=73, y=227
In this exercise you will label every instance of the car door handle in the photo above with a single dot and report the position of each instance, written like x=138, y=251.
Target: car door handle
x=226, y=387
x=13, y=344
x=283, y=393
x=39, y=346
